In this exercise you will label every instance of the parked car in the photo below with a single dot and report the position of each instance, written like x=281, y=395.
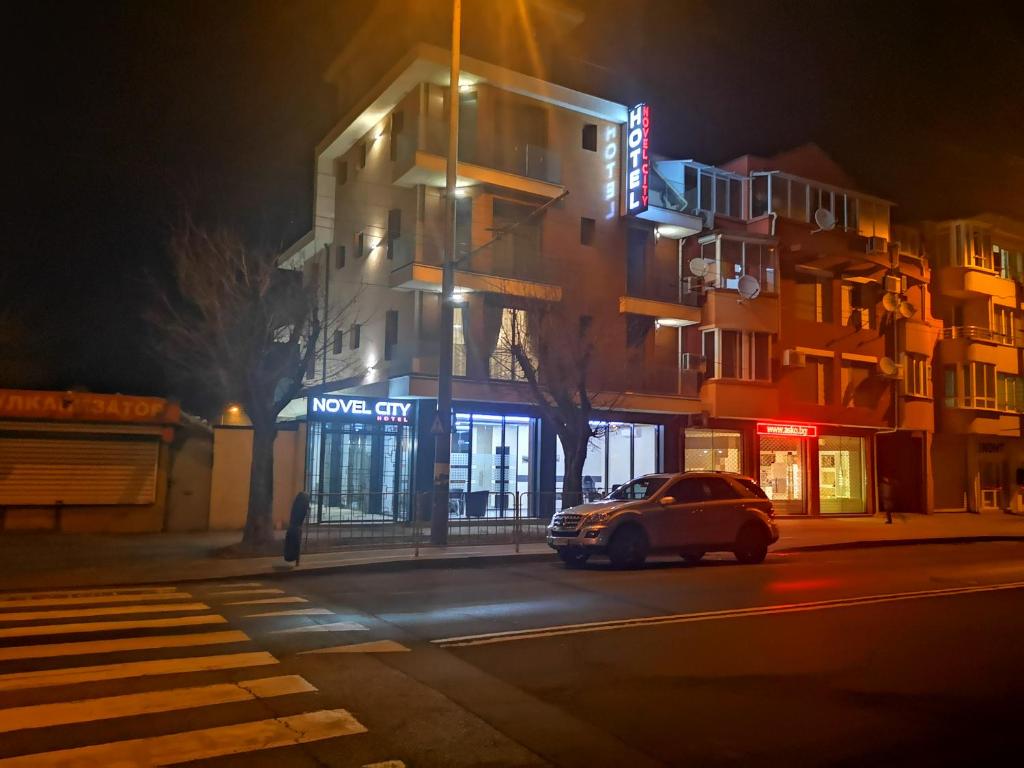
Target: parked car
x=691, y=513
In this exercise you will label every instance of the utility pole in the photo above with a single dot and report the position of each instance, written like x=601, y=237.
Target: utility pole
x=442, y=425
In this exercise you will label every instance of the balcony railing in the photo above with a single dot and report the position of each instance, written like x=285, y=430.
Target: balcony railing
x=978, y=333
x=667, y=289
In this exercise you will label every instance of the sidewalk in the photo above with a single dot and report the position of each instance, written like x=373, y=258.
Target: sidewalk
x=56, y=560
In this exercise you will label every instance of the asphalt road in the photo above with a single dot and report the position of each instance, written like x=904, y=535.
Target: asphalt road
x=888, y=656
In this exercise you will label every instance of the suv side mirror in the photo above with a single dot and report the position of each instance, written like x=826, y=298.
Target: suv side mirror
x=667, y=501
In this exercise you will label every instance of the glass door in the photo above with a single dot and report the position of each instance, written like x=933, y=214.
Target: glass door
x=782, y=473
x=841, y=475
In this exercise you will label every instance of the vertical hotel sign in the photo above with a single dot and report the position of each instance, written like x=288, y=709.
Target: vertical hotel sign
x=638, y=161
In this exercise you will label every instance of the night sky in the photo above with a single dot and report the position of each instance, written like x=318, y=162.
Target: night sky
x=122, y=114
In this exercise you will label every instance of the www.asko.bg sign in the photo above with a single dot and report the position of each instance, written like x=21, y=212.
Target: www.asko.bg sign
x=360, y=409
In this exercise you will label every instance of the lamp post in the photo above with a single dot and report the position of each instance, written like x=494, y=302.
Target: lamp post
x=442, y=424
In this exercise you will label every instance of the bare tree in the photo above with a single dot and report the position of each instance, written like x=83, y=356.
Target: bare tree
x=555, y=348
x=244, y=331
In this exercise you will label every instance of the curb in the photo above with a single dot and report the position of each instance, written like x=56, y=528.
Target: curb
x=879, y=543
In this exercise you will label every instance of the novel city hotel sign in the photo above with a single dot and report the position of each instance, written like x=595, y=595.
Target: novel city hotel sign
x=638, y=159
x=359, y=409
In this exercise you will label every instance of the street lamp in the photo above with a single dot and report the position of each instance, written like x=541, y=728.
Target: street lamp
x=442, y=423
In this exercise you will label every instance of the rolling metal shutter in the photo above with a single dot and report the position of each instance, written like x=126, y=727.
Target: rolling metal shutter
x=78, y=470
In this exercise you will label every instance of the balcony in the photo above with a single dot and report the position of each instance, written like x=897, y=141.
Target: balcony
x=663, y=299
x=977, y=333
x=508, y=273
x=971, y=282
x=670, y=210
x=524, y=167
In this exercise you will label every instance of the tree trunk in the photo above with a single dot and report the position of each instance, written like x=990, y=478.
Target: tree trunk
x=575, y=449
x=259, y=523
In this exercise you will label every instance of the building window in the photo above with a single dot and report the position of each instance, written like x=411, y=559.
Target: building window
x=341, y=171
x=390, y=333
x=917, y=381
x=615, y=455
x=710, y=450
x=735, y=258
x=397, y=121
x=504, y=364
x=361, y=157
x=360, y=245
x=857, y=306
x=737, y=355
x=458, y=341
x=339, y=257
x=492, y=460
x=394, y=230
x=813, y=299
x=971, y=385
x=587, y=231
x=590, y=137
x=853, y=378
x=842, y=475
x=353, y=336
x=822, y=367
x=1009, y=393
x=1004, y=325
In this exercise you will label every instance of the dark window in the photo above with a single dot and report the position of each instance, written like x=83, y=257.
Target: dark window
x=687, y=491
x=719, y=488
x=342, y=172
x=586, y=231
x=360, y=245
x=362, y=155
x=390, y=332
x=463, y=226
x=339, y=342
x=394, y=229
x=750, y=488
x=590, y=137
x=339, y=257
x=397, y=120
x=353, y=336
x=311, y=367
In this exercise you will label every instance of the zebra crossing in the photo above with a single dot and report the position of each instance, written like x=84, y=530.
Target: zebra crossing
x=74, y=661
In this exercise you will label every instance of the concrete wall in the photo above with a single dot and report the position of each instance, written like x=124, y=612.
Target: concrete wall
x=232, y=460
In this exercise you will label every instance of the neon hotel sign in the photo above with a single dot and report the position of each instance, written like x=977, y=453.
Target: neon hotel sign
x=361, y=409
x=638, y=161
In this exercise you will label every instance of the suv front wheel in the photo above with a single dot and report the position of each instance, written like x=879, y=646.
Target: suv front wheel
x=628, y=547
x=751, y=544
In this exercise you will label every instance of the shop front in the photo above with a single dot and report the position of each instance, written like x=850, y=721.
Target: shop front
x=372, y=459
x=805, y=469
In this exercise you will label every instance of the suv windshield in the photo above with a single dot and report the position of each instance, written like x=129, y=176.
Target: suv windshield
x=642, y=488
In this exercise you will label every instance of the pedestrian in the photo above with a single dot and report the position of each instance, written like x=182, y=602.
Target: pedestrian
x=885, y=497
x=293, y=536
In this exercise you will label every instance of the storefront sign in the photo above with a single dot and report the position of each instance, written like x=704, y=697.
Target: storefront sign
x=86, y=406
x=787, y=430
x=360, y=409
x=638, y=163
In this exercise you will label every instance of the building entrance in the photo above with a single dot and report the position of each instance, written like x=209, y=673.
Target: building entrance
x=782, y=473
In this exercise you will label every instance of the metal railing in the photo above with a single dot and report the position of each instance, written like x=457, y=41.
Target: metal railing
x=978, y=333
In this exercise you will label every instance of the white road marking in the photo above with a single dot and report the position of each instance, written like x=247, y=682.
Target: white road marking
x=46, y=678
x=104, y=626
x=376, y=646
x=108, y=610
x=235, y=585
x=133, y=704
x=82, y=592
x=93, y=599
x=204, y=744
x=335, y=626
x=294, y=612
x=50, y=650
x=684, y=618
x=270, y=601
x=240, y=592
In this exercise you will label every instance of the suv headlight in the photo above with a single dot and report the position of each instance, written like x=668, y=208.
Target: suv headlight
x=595, y=518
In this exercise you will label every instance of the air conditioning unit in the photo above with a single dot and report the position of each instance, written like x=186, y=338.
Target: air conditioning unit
x=877, y=245
x=707, y=218
x=792, y=358
x=896, y=283
x=691, y=362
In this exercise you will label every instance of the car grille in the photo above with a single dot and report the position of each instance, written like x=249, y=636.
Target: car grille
x=567, y=520
x=565, y=534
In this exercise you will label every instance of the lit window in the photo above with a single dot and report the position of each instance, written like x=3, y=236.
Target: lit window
x=917, y=380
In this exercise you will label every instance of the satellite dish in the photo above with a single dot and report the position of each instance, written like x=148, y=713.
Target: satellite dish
x=891, y=302
x=711, y=273
x=749, y=287
x=887, y=366
x=907, y=310
x=698, y=267
x=824, y=219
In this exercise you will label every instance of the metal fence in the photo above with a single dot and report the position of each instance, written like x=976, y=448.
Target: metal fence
x=342, y=520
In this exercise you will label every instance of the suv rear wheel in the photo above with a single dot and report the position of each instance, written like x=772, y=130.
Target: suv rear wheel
x=628, y=547
x=751, y=544
x=573, y=558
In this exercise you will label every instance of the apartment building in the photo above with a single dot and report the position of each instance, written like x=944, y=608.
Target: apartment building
x=978, y=455
x=772, y=324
